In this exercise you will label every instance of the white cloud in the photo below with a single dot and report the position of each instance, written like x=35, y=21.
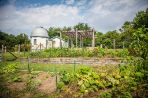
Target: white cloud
x=26, y=19
x=111, y=14
x=69, y=2
x=103, y=15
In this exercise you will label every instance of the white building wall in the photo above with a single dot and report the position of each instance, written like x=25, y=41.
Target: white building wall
x=46, y=43
x=57, y=43
x=39, y=40
x=49, y=44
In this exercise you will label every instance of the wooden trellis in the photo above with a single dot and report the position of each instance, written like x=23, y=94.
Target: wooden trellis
x=80, y=34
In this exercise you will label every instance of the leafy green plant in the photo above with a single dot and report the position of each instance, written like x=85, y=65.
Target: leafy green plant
x=9, y=68
x=74, y=52
x=17, y=79
x=31, y=84
x=106, y=95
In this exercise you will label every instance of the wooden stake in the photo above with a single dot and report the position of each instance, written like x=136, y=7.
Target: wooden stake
x=5, y=49
x=114, y=43
x=82, y=42
x=40, y=46
x=93, y=38
x=29, y=70
x=76, y=37
x=19, y=49
x=123, y=45
x=60, y=39
x=2, y=48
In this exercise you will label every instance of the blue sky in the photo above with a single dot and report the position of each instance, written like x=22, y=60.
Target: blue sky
x=22, y=16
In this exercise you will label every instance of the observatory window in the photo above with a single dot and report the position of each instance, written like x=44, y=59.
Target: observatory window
x=35, y=41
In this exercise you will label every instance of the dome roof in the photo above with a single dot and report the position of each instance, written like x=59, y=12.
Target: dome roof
x=39, y=32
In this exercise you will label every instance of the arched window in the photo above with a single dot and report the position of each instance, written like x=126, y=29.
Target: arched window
x=35, y=41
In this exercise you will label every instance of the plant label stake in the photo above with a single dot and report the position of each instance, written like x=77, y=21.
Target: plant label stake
x=74, y=65
x=29, y=65
x=56, y=79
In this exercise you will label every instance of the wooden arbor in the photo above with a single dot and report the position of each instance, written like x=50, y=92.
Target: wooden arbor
x=80, y=34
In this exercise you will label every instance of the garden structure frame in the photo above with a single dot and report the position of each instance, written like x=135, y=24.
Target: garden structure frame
x=79, y=35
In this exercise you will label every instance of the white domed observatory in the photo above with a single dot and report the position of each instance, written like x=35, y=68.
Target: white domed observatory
x=39, y=39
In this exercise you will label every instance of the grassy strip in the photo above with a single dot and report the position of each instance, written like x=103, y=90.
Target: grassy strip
x=48, y=67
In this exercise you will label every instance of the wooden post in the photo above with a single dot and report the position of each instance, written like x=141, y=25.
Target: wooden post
x=5, y=49
x=114, y=43
x=2, y=48
x=74, y=65
x=56, y=78
x=68, y=43
x=19, y=49
x=29, y=70
x=101, y=46
x=76, y=37
x=123, y=45
x=71, y=43
x=80, y=41
x=93, y=38
x=24, y=49
x=60, y=39
x=2, y=53
x=46, y=43
x=40, y=46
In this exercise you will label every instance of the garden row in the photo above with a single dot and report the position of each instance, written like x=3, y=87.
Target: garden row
x=84, y=52
x=122, y=81
x=19, y=80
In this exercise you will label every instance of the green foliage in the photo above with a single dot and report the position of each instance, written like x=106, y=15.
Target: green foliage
x=66, y=52
x=108, y=81
x=137, y=27
x=60, y=85
x=31, y=84
x=17, y=79
x=106, y=95
x=10, y=40
x=8, y=68
x=82, y=26
x=141, y=19
x=67, y=77
x=140, y=42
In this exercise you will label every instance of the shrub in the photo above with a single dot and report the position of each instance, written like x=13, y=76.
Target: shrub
x=9, y=68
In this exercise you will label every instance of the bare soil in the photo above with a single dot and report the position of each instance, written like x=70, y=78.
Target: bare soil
x=18, y=89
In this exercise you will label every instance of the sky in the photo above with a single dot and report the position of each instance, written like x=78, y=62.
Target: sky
x=22, y=16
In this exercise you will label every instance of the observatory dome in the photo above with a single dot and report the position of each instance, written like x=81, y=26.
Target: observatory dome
x=39, y=32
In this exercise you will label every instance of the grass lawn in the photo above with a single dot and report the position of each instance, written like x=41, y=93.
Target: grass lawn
x=49, y=67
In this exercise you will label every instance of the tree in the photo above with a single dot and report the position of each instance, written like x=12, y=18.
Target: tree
x=52, y=31
x=7, y=40
x=140, y=42
x=141, y=19
x=82, y=26
x=99, y=36
x=128, y=28
x=107, y=39
x=22, y=39
x=126, y=33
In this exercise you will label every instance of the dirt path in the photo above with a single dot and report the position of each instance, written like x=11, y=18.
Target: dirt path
x=48, y=83
x=44, y=83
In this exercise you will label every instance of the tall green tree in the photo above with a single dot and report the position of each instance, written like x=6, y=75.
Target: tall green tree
x=22, y=39
x=53, y=31
x=107, y=39
x=82, y=26
x=141, y=19
x=140, y=42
